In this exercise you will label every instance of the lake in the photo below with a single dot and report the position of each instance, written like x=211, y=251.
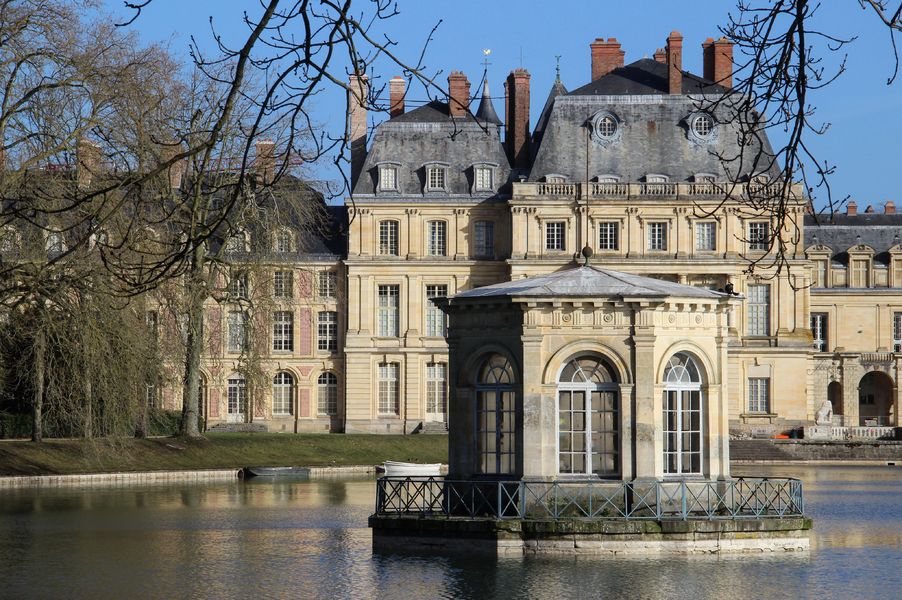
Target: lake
x=310, y=540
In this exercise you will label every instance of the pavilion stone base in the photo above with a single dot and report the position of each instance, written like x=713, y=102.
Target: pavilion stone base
x=511, y=537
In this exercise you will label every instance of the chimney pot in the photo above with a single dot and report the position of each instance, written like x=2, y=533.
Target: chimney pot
x=458, y=94
x=661, y=56
x=397, y=90
x=851, y=208
x=606, y=56
x=721, y=62
x=675, y=63
x=889, y=208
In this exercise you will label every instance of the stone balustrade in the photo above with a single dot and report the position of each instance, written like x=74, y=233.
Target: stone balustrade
x=651, y=191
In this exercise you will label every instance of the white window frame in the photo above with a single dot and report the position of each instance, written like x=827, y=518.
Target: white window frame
x=819, y=321
x=283, y=394
x=706, y=236
x=758, y=235
x=437, y=387
x=327, y=284
x=436, y=178
x=327, y=331
x=436, y=321
x=389, y=236
x=483, y=178
x=437, y=238
x=283, y=241
x=388, y=309
x=283, y=331
x=327, y=393
x=235, y=328
x=236, y=396
x=484, y=239
x=657, y=236
x=683, y=395
x=388, y=178
x=608, y=236
x=897, y=332
x=556, y=236
x=283, y=285
x=389, y=398
x=758, y=397
x=758, y=309
x=238, y=285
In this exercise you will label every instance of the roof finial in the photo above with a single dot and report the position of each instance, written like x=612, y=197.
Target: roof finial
x=557, y=69
x=587, y=254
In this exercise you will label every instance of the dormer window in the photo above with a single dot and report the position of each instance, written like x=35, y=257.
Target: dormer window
x=655, y=178
x=703, y=125
x=483, y=180
x=236, y=243
x=555, y=179
x=608, y=179
x=388, y=178
x=283, y=242
x=704, y=178
x=701, y=128
x=435, y=178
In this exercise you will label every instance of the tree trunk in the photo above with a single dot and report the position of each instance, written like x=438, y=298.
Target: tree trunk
x=89, y=407
x=141, y=421
x=194, y=346
x=40, y=347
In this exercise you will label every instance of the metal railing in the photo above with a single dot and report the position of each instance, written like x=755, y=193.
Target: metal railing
x=590, y=499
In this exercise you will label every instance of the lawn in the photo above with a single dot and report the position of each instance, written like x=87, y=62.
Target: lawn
x=216, y=451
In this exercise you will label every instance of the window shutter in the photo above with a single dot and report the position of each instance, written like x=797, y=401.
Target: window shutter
x=305, y=346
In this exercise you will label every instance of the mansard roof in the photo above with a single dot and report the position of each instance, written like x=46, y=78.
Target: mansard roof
x=645, y=76
x=589, y=281
x=840, y=232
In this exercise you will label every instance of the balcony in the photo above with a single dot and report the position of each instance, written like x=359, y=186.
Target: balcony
x=652, y=191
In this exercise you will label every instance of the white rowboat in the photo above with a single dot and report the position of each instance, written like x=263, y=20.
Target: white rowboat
x=403, y=469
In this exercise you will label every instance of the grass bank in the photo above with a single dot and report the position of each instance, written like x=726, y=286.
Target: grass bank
x=216, y=451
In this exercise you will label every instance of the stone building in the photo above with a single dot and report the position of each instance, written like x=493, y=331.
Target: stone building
x=448, y=198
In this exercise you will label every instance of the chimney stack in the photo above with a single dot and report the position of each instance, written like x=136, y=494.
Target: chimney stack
x=718, y=61
x=87, y=158
x=851, y=208
x=606, y=56
x=358, y=100
x=889, y=208
x=397, y=87
x=516, y=118
x=661, y=56
x=675, y=63
x=265, y=161
x=177, y=169
x=458, y=94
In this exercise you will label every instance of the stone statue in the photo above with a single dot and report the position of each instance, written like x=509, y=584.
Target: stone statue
x=824, y=415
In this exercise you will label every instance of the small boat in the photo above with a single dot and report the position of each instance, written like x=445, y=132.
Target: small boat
x=403, y=469
x=248, y=472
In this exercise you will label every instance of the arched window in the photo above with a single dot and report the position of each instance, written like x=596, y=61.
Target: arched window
x=283, y=241
x=496, y=416
x=683, y=412
x=588, y=418
x=282, y=394
x=237, y=398
x=327, y=394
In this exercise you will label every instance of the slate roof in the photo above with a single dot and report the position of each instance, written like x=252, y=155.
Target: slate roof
x=558, y=89
x=486, y=111
x=840, y=232
x=645, y=76
x=591, y=282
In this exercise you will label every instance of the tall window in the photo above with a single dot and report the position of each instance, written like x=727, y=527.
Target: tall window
x=55, y=243
x=436, y=242
x=328, y=284
x=435, y=178
x=236, y=394
x=496, y=436
x=389, y=397
x=436, y=390
x=758, y=305
x=435, y=318
x=554, y=236
x=705, y=236
x=388, y=310
x=388, y=238
x=282, y=394
x=483, y=176
x=283, y=284
x=484, y=239
x=759, y=394
x=388, y=178
x=236, y=321
x=897, y=332
x=859, y=273
x=152, y=319
x=759, y=234
x=283, y=242
x=682, y=416
x=327, y=394
x=608, y=235
x=327, y=331
x=657, y=236
x=819, y=331
x=238, y=285
x=588, y=419
x=283, y=331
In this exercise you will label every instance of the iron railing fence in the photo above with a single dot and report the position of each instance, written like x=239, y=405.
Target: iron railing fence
x=740, y=498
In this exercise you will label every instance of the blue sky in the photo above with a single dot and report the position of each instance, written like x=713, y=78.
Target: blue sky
x=864, y=136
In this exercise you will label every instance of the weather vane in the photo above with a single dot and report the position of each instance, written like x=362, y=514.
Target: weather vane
x=485, y=62
x=557, y=69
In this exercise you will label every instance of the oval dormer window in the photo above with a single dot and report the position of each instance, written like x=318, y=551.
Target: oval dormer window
x=703, y=125
x=605, y=128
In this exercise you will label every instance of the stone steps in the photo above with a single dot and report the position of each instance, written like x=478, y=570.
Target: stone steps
x=433, y=428
x=757, y=450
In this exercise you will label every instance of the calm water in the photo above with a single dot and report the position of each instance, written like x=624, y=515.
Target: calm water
x=309, y=540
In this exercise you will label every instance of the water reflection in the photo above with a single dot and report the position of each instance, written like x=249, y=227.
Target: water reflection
x=274, y=539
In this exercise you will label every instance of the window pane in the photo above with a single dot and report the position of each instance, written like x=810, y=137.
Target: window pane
x=388, y=310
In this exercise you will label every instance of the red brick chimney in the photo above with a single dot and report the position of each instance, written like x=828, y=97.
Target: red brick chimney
x=851, y=208
x=458, y=94
x=708, y=59
x=606, y=56
x=516, y=117
x=675, y=63
x=177, y=169
x=661, y=56
x=358, y=100
x=889, y=208
x=397, y=87
x=87, y=158
x=721, y=62
x=265, y=161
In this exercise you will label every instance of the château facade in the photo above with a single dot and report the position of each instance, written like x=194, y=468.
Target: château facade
x=447, y=198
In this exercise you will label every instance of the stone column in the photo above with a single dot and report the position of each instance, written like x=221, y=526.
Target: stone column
x=647, y=435
x=534, y=421
x=627, y=431
x=850, y=379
